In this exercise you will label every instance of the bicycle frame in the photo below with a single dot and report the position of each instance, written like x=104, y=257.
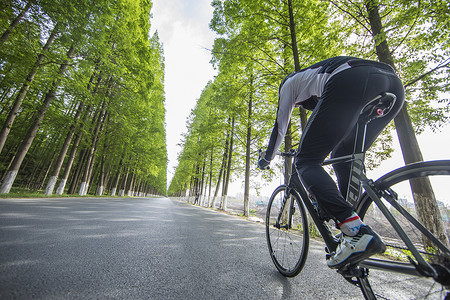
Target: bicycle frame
x=422, y=267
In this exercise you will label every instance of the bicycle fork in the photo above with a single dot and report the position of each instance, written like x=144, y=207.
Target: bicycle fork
x=284, y=219
x=284, y=215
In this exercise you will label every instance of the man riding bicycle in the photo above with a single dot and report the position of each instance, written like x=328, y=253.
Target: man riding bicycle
x=336, y=90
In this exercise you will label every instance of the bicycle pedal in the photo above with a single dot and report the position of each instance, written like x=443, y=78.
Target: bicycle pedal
x=353, y=271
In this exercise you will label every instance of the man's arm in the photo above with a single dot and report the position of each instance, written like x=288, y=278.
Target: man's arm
x=286, y=105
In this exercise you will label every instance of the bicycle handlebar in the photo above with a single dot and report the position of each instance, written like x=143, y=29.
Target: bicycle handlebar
x=290, y=153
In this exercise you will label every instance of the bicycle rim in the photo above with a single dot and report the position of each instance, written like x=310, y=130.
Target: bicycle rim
x=288, y=247
x=402, y=286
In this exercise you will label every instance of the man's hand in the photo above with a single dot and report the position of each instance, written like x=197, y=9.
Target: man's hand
x=263, y=163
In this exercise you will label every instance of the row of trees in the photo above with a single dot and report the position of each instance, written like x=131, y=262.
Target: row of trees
x=261, y=41
x=82, y=98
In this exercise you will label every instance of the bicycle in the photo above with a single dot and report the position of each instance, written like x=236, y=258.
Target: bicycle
x=414, y=251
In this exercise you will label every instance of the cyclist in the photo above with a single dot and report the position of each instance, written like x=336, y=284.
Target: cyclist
x=336, y=90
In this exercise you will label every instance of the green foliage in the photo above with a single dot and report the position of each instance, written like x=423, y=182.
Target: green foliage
x=117, y=71
x=253, y=52
x=418, y=37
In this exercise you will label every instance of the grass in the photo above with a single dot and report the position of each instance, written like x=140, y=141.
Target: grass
x=26, y=193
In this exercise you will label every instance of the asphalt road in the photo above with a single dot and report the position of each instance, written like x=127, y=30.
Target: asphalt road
x=142, y=248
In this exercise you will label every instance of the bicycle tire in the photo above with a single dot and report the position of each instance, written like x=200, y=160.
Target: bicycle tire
x=398, y=180
x=288, y=247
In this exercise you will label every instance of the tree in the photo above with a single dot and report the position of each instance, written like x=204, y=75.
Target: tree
x=24, y=89
x=17, y=162
x=14, y=23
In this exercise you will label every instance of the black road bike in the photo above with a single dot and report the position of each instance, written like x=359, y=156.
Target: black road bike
x=417, y=252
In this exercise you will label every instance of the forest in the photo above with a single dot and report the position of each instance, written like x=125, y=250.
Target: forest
x=82, y=98
x=259, y=42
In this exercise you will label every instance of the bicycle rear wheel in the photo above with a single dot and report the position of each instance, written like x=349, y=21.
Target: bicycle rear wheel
x=288, y=245
x=396, y=185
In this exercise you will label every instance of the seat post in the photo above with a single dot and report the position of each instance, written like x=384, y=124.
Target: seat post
x=357, y=164
x=360, y=139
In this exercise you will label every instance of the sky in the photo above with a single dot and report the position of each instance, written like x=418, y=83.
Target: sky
x=183, y=28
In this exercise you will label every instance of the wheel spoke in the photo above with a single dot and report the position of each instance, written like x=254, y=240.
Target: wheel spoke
x=287, y=247
x=404, y=208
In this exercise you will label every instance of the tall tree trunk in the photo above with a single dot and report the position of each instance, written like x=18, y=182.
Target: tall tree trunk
x=191, y=189
x=62, y=184
x=210, y=175
x=303, y=116
x=221, y=171
x=46, y=173
x=116, y=183
x=57, y=168
x=224, y=166
x=54, y=176
x=24, y=89
x=107, y=181
x=293, y=36
x=73, y=152
x=12, y=173
x=247, y=153
x=424, y=199
x=227, y=177
x=102, y=126
x=78, y=171
x=102, y=116
x=14, y=23
x=130, y=185
x=202, y=184
x=101, y=180
x=86, y=176
x=140, y=186
x=124, y=184
x=196, y=181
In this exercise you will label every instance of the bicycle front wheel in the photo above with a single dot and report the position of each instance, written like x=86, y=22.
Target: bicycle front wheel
x=425, y=218
x=287, y=231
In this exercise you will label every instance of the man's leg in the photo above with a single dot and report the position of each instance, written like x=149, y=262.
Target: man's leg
x=335, y=115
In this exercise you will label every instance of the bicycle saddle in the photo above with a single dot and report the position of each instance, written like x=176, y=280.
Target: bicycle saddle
x=378, y=107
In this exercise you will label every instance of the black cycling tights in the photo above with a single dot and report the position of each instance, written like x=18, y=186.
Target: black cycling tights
x=331, y=128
